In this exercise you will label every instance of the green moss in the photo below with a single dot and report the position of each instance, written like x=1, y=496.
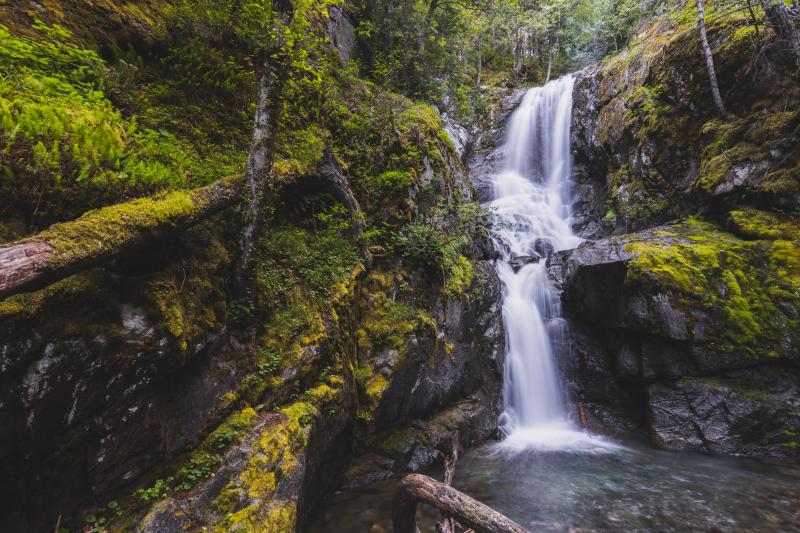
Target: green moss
x=301, y=153
x=718, y=168
x=460, y=278
x=390, y=324
x=273, y=457
x=736, y=142
x=756, y=224
x=28, y=305
x=374, y=387
x=188, y=298
x=746, y=288
x=230, y=431
x=100, y=232
x=395, y=443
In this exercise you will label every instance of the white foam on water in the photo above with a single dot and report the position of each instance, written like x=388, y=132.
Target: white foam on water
x=556, y=437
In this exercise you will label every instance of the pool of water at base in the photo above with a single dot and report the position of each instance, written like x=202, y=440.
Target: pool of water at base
x=631, y=488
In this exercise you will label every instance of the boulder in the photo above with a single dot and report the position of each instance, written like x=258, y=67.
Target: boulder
x=750, y=413
x=671, y=324
x=522, y=260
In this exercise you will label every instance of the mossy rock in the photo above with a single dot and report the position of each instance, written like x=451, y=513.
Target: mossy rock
x=749, y=290
x=720, y=296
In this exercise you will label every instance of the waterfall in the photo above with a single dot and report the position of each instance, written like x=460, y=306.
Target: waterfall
x=531, y=208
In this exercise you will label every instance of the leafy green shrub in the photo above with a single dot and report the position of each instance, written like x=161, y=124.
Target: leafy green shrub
x=320, y=259
x=440, y=241
x=270, y=362
x=394, y=182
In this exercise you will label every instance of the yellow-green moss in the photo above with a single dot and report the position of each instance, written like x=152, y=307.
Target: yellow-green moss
x=389, y=323
x=189, y=297
x=744, y=287
x=732, y=142
x=756, y=224
x=279, y=519
x=460, y=278
x=28, y=305
x=375, y=386
x=393, y=444
x=105, y=230
x=274, y=457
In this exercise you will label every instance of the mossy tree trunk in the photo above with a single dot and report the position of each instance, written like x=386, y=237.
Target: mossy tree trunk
x=271, y=79
x=709, y=57
x=99, y=236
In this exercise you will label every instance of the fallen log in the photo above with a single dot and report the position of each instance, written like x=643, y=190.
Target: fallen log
x=96, y=237
x=416, y=488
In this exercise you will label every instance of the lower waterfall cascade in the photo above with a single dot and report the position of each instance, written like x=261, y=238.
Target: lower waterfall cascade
x=531, y=206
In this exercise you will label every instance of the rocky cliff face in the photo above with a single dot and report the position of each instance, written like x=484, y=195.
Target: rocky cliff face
x=144, y=396
x=687, y=332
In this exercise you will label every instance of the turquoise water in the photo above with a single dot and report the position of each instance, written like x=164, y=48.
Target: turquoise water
x=629, y=489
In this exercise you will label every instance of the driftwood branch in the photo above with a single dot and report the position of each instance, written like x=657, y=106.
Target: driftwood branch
x=416, y=488
x=447, y=524
x=98, y=236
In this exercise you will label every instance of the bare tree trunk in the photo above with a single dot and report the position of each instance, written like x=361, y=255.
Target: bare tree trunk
x=712, y=73
x=99, y=236
x=416, y=488
x=549, y=65
x=754, y=20
x=480, y=63
x=780, y=18
x=519, y=55
x=262, y=144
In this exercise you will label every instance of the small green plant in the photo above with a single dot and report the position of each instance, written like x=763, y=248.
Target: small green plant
x=271, y=362
x=160, y=489
x=96, y=521
x=305, y=419
x=241, y=311
x=201, y=465
x=441, y=240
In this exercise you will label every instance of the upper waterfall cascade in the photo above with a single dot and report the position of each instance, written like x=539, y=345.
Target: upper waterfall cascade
x=531, y=208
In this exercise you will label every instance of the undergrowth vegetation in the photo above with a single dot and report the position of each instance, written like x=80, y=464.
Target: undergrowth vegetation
x=66, y=147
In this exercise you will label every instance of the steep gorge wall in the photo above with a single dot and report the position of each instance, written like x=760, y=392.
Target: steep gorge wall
x=685, y=320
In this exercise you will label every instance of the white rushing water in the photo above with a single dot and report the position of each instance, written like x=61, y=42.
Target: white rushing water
x=532, y=220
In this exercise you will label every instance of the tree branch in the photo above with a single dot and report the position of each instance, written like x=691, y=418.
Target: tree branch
x=416, y=488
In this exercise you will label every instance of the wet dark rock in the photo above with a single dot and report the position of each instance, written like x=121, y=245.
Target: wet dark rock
x=749, y=413
x=645, y=351
x=543, y=247
x=367, y=469
x=594, y=274
x=522, y=260
x=305, y=478
x=420, y=444
x=557, y=267
x=589, y=192
x=429, y=378
x=636, y=168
